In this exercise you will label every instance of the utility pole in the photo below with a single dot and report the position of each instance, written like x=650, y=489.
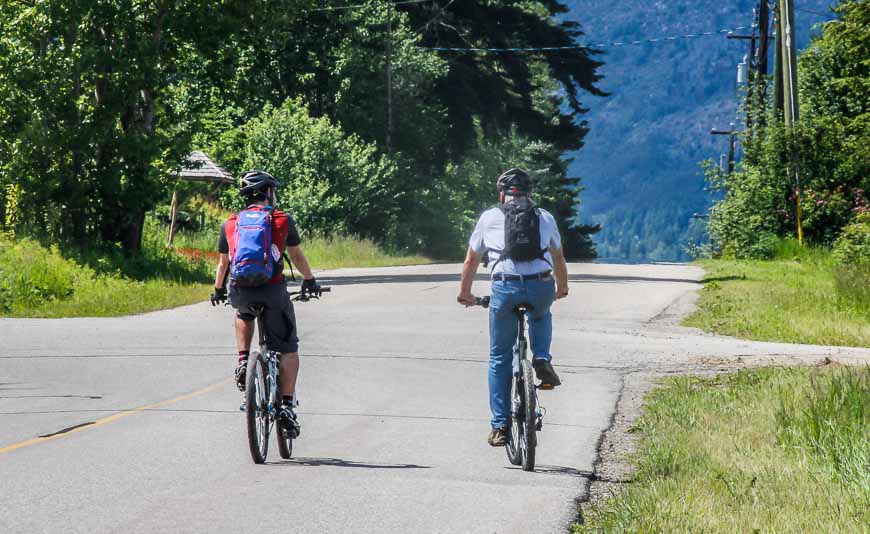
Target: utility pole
x=731, y=143
x=761, y=61
x=750, y=77
x=389, y=77
x=778, y=100
x=788, y=68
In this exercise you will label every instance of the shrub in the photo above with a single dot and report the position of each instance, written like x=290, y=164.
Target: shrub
x=31, y=274
x=852, y=262
x=853, y=245
x=333, y=183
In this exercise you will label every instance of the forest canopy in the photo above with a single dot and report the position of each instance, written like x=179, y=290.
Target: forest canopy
x=100, y=102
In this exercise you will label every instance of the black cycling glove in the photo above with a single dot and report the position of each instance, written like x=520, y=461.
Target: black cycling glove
x=219, y=296
x=310, y=286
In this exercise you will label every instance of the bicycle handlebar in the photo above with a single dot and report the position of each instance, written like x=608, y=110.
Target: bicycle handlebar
x=305, y=296
x=482, y=301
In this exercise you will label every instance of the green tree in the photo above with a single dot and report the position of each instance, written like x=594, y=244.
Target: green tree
x=831, y=141
x=333, y=183
x=95, y=116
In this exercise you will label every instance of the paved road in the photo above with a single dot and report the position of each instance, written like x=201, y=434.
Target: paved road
x=394, y=411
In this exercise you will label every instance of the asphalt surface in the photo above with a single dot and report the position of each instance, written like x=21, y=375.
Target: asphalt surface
x=393, y=407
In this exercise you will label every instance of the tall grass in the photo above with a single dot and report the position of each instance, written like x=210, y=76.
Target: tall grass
x=39, y=281
x=830, y=419
x=768, y=450
x=799, y=297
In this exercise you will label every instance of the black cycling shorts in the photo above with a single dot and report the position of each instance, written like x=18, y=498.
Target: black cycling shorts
x=279, y=319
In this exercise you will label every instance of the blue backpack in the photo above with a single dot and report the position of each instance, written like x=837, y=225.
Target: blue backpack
x=252, y=264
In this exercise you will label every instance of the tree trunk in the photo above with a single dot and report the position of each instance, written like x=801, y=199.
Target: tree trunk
x=131, y=231
x=173, y=212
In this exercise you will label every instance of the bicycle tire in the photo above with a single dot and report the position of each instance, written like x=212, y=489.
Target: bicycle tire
x=513, y=445
x=256, y=413
x=529, y=415
x=285, y=444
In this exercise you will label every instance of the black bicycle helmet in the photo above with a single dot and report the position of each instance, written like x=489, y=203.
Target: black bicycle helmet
x=255, y=183
x=514, y=182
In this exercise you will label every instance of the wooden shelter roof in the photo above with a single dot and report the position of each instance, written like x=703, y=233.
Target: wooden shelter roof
x=200, y=168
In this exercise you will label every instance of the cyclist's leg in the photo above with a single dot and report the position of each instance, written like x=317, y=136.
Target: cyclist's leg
x=502, y=334
x=289, y=373
x=244, y=332
x=540, y=294
x=280, y=323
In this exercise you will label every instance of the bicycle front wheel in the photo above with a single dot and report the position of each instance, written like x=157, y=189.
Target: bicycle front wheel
x=256, y=409
x=514, y=445
x=529, y=416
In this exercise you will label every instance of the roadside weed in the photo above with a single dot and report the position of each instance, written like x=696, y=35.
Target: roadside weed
x=767, y=450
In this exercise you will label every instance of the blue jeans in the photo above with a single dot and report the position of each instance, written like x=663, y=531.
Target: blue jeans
x=503, y=333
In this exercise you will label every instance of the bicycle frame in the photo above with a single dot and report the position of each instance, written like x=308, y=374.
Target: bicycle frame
x=521, y=351
x=270, y=358
x=526, y=416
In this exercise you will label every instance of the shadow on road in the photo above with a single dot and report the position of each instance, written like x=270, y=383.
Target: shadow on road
x=430, y=278
x=336, y=462
x=557, y=470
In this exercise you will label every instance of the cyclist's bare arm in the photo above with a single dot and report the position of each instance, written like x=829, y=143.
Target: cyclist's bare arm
x=221, y=274
x=469, y=270
x=560, y=271
x=300, y=261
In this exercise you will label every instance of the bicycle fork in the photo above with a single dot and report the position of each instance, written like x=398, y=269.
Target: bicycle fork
x=272, y=360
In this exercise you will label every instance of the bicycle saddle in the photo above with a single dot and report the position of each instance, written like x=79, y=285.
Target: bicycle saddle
x=524, y=307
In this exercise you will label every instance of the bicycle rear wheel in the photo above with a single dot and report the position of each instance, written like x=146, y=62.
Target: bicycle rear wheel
x=528, y=416
x=256, y=409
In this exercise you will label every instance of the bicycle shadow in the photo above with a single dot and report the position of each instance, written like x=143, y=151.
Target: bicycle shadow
x=337, y=462
x=557, y=470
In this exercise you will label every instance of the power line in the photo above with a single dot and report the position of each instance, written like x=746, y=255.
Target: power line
x=811, y=12
x=614, y=44
x=359, y=6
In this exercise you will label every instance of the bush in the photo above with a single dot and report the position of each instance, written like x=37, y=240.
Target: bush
x=852, y=262
x=333, y=183
x=853, y=245
x=31, y=274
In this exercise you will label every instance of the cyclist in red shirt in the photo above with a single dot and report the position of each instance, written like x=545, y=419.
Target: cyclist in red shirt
x=258, y=189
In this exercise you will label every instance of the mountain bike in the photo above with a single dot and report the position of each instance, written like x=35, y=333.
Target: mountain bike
x=261, y=391
x=527, y=415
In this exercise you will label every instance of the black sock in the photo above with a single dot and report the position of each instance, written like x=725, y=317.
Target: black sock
x=243, y=354
x=288, y=400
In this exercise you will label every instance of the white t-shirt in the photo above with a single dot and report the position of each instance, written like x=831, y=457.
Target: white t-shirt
x=489, y=234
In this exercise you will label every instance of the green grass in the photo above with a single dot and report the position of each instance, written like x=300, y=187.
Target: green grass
x=39, y=281
x=801, y=297
x=339, y=252
x=768, y=450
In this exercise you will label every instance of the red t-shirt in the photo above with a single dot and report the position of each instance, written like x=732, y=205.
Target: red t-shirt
x=284, y=234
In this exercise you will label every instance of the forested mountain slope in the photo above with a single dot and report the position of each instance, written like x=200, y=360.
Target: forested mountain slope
x=640, y=163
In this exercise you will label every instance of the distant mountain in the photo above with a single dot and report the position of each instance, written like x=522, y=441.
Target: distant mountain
x=640, y=163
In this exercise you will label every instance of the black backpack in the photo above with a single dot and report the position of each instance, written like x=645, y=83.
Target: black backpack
x=522, y=231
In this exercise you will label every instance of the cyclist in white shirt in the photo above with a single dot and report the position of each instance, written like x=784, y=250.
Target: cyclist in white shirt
x=537, y=280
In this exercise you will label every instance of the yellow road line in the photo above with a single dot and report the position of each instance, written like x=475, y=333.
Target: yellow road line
x=114, y=417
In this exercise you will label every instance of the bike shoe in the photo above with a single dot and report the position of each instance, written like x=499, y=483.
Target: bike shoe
x=241, y=372
x=546, y=374
x=288, y=421
x=497, y=437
